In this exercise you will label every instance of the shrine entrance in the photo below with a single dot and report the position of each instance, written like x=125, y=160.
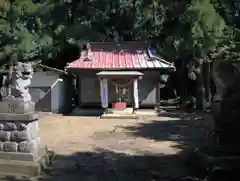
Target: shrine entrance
x=119, y=89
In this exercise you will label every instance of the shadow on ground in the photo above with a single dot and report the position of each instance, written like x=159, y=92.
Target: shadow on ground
x=86, y=112
x=104, y=165
x=187, y=130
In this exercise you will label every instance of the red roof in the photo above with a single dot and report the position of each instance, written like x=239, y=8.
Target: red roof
x=112, y=55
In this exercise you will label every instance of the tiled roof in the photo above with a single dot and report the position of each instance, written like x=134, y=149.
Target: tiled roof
x=124, y=55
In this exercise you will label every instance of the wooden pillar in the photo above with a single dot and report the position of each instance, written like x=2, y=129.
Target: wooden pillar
x=135, y=95
x=79, y=90
x=182, y=81
x=104, y=92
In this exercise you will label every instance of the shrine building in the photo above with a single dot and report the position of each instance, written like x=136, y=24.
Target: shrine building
x=119, y=75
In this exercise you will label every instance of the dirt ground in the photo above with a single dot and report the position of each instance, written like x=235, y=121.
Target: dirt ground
x=94, y=149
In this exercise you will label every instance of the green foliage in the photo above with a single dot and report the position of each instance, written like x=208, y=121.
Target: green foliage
x=44, y=28
x=35, y=29
x=200, y=29
x=21, y=28
x=228, y=48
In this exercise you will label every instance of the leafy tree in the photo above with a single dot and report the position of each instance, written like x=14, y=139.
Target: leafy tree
x=41, y=29
x=200, y=28
x=21, y=31
x=229, y=11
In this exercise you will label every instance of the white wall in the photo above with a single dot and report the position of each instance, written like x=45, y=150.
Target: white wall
x=50, y=79
x=57, y=95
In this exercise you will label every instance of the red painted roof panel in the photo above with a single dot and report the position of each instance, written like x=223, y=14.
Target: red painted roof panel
x=112, y=55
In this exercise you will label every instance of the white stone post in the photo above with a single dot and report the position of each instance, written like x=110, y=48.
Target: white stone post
x=104, y=92
x=135, y=94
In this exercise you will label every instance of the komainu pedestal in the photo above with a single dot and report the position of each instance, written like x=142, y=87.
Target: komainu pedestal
x=21, y=149
x=19, y=130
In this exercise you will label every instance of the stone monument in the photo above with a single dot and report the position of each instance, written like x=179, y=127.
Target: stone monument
x=21, y=148
x=223, y=73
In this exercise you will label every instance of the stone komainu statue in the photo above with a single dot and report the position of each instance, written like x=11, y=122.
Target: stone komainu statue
x=3, y=85
x=226, y=104
x=229, y=123
x=21, y=79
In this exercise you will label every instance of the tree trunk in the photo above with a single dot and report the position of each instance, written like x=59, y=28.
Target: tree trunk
x=133, y=17
x=182, y=82
x=9, y=93
x=200, y=97
x=3, y=56
x=207, y=81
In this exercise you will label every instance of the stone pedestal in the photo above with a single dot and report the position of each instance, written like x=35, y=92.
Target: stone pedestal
x=19, y=136
x=16, y=106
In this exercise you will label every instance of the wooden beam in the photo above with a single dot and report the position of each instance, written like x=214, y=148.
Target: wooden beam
x=52, y=69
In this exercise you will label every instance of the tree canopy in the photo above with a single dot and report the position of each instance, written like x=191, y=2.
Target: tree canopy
x=43, y=29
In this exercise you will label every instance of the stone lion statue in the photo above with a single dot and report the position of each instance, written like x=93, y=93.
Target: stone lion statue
x=21, y=79
x=226, y=103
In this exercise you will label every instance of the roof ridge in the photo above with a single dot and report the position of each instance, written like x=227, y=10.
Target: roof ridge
x=105, y=58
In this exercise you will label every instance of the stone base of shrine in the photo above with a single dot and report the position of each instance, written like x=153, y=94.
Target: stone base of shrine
x=25, y=168
x=128, y=113
x=119, y=116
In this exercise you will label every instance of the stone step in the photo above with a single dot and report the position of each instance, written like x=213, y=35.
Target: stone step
x=18, y=117
x=19, y=156
x=116, y=111
x=129, y=111
x=119, y=116
x=25, y=168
